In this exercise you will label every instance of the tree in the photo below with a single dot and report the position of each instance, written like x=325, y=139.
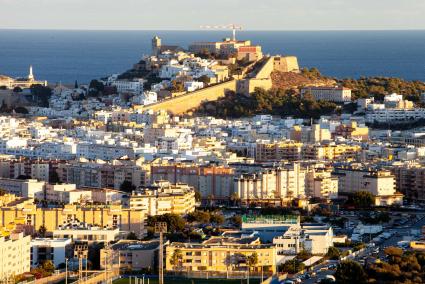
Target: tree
x=23, y=177
x=252, y=260
x=17, y=90
x=393, y=253
x=175, y=223
x=54, y=177
x=197, y=196
x=95, y=84
x=304, y=255
x=22, y=110
x=48, y=266
x=41, y=94
x=237, y=220
x=132, y=236
x=217, y=218
x=42, y=231
x=204, y=79
x=127, y=186
x=177, y=86
x=362, y=199
x=234, y=198
x=176, y=259
x=333, y=253
x=199, y=216
x=350, y=272
x=292, y=266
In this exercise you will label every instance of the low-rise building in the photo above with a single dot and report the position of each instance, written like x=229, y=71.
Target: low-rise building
x=333, y=94
x=314, y=238
x=85, y=233
x=268, y=227
x=55, y=250
x=33, y=217
x=133, y=255
x=221, y=256
x=22, y=187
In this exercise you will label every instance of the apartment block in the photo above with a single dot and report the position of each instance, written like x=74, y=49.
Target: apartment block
x=221, y=256
x=271, y=185
x=32, y=218
x=15, y=256
x=210, y=181
x=287, y=150
x=163, y=197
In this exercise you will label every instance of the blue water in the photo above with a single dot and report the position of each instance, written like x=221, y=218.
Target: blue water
x=83, y=55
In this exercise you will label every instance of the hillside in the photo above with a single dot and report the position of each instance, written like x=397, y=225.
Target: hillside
x=290, y=80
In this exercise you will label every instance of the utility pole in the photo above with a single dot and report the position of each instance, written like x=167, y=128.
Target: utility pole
x=66, y=270
x=161, y=228
x=80, y=252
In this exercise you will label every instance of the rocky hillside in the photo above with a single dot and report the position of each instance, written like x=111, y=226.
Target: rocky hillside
x=290, y=80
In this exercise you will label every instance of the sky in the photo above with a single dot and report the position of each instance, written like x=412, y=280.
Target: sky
x=191, y=14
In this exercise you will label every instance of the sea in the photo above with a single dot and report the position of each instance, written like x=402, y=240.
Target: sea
x=67, y=55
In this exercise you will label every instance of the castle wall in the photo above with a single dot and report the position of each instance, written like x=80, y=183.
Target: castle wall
x=184, y=103
x=286, y=63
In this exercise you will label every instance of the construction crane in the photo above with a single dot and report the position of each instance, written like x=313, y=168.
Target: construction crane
x=232, y=27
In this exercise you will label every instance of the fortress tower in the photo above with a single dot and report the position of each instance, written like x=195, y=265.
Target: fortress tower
x=156, y=45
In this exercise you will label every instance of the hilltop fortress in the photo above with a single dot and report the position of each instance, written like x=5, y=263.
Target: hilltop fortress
x=214, y=68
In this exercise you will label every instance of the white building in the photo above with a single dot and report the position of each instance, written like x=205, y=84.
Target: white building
x=56, y=250
x=23, y=188
x=125, y=86
x=378, y=183
x=268, y=227
x=193, y=86
x=146, y=98
x=394, y=115
x=276, y=183
x=314, y=238
x=15, y=256
x=81, y=232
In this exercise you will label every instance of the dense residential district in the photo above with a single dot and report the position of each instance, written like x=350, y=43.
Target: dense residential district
x=214, y=161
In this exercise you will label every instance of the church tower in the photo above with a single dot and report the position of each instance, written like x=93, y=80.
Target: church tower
x=156, y=45
x=31, y=76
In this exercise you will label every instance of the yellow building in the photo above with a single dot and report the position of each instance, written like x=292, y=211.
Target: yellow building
x=221, y=256
x=286, y=150
x=418, y=245
x=331, y=152
x=33, y=218
x=164, y=197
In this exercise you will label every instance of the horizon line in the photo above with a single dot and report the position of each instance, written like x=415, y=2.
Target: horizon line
x=218, y=30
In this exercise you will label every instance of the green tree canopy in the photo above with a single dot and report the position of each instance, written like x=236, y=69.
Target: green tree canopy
x=362, y=199
x=350, y=272
x=333, y=253
x=127, y=186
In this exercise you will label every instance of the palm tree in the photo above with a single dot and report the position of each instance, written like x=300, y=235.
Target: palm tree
x=251, y=261
x=210, y=200
x=234, y=198
x=176, y=259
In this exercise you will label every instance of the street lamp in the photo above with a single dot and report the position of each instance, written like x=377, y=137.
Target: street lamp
x=66, y=270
